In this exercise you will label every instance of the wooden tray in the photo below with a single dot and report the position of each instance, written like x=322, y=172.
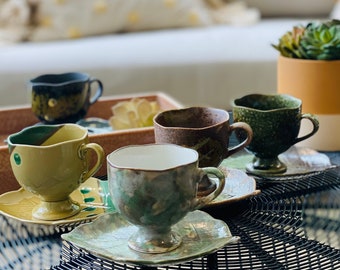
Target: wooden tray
x=15, y=119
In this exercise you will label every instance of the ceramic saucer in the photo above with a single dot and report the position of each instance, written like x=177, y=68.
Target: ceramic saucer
x=300, y=161
x=107, y=237
x=18, y=205
x=238, y=186
x=95, y=125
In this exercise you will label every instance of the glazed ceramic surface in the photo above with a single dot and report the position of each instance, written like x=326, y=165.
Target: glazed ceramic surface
x=108, y=237
x=275, y=121
x=300, y=162
x=154, y=186
x=92, y=196
x=63, y=98
x=95, y=125
x=206, y=130
x=51, y=161
x=238, y=186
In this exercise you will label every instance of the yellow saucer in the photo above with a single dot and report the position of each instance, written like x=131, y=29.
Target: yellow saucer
x=93, y=200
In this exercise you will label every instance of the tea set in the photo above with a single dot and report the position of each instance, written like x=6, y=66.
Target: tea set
x=156, y=189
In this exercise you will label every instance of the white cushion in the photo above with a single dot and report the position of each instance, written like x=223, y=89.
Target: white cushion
x=209, y=65
x=73, y=19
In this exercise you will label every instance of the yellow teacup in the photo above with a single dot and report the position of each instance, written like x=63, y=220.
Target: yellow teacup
x=51, y=161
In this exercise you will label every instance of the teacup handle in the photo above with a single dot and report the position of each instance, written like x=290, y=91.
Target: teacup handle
x=204, y=200
x=99, y=162
x=240, y=146
x=99, y=90
x=315, y=123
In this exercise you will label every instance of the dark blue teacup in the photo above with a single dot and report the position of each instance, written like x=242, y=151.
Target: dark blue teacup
x=63, y=98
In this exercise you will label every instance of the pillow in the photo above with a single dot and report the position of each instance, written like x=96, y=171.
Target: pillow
x=301, y=8
x=43, y=20
x=60, y=19
x=14, y=20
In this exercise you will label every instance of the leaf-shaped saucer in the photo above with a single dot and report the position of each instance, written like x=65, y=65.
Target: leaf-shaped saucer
x=107, y=237
x=17, y=206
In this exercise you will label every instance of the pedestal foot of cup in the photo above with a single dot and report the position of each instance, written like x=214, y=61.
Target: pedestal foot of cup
x=266, y=166
x=206, y=186
x=148, y=241
x=55, y=210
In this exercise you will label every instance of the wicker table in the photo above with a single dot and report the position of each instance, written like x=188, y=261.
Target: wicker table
x=291, y=225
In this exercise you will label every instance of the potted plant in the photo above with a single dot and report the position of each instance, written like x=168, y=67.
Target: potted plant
x=309, y=68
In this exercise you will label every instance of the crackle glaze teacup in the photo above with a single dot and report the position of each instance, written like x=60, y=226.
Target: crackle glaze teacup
x=51, y=161
x=275, y=120
x=206, y=130
x=154, y=186
x=63, y=98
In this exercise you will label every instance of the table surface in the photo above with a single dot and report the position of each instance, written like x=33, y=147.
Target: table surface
x=290, y=225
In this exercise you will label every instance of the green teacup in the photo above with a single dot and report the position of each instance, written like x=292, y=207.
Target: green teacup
x=63, y=98
x=275, y=121
x=154, y=186
x=51, y=161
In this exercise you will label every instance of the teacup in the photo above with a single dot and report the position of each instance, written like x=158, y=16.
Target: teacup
x=63, y=98
x=275, y=120
x=154, y=186
x=51, y=161
x=206, y=130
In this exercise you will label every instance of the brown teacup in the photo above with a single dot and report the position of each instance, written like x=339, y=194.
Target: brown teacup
x=206, y=130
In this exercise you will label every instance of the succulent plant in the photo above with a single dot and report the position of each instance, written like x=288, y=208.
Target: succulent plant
x=289, y=43
x=316, y=41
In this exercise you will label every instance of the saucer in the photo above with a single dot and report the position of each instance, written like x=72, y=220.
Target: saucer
x=238, y=186
x=18, y=205
x=107, y=237
x=300, y=161
x=95, y=125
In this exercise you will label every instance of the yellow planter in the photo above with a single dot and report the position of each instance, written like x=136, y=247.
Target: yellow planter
x=317, y=84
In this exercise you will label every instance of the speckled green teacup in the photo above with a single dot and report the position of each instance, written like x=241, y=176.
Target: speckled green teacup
x=275, y=121
x=154, y=186
x=63, y=98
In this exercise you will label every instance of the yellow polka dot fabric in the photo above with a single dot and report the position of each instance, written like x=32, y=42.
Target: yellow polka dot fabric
x=65, y=19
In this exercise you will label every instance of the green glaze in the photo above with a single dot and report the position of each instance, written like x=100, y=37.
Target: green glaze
x=34, y=135
x=154, y=187
x=108, y=237
x=275, y=121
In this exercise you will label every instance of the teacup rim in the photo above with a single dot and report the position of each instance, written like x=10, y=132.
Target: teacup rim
x=59, y=126
x=190, y=108
x=110, y=163
x=35, y=81
x=299, y=101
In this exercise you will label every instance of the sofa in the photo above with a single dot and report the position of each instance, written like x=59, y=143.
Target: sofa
x=226, y=55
